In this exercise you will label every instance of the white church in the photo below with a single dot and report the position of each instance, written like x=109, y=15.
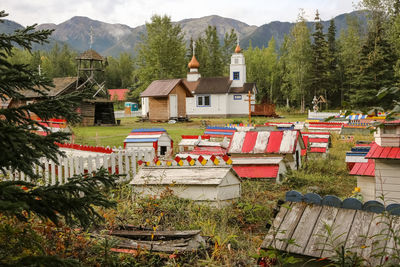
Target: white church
x=217, y=96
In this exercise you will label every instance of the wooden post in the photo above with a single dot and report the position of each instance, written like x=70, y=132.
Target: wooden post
x=249, y=99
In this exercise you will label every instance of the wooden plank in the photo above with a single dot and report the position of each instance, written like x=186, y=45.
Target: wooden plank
x=305, y=228
x=156, y=234
x=66, y=170
x=112, y=163
x=237, y=142
x=376, y=241
x=59, y=169
x=340, y=230
x=261, y=142
x=46, y=172
x=318, y=237
x=127, y=168
x=359, y=231
x=270, y=237
x=289, y=225
x=288, y=141
x=390, y=245
x=53, y=172
x=71, y=167
x=120, y=168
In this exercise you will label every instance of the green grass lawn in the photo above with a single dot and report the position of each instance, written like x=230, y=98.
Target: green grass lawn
x=115, y=135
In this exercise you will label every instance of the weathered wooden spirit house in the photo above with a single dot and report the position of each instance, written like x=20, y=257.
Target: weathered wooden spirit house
x=156, y=138
x=318, y=143
x=96, y=110
x=254, y=144
x=215, y=185
x=386, y=154
x=99, y=109
x=165, y=99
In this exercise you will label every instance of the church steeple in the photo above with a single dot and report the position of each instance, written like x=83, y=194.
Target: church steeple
x=193, y=74
x=238, y=67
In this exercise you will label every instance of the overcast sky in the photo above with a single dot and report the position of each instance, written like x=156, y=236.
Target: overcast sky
x=137, y=12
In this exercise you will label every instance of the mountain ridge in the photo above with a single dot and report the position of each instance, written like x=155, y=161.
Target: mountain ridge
x=110, y=39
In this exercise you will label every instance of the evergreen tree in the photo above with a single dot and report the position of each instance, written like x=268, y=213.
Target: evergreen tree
x=285, y=87
x=209, y=54
x=21, y=147
x=350, y=44
x=261, y=68
x=230, y=41
x=376, y=67
x=333, y=75
x=319, y=60
x=300, y=62
x=161, y=53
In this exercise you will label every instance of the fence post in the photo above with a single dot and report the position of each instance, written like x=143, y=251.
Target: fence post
x=133, y=165
x=59, y=169
x=76, y=165
x=53, y=172
x=89, y=165
x=120, y=167
x=105, y=162
x=46, y=171
x=71, y=167
x=112, y=163
x=66, y=170
x=127, y=169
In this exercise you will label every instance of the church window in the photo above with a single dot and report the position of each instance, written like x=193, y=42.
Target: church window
x=236, y=75
x=236, y=61
x=203, y=101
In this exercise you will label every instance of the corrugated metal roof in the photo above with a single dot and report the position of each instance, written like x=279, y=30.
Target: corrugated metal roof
x=257, y=171
x=275, y=142
x=379, y=152
x=364, y=168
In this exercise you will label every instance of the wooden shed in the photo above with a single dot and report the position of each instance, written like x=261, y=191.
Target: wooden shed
x=317, y=226
x=216, y=185
x=157, y=138
x=386, y=154
x=165, y=99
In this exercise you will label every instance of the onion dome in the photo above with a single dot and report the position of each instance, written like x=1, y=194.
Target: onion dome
x=237, y=49
x=193, y=64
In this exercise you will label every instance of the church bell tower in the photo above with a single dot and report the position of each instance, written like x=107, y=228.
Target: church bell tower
x=237, y=70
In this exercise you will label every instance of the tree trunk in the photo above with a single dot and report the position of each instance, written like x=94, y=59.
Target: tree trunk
x=287, y=102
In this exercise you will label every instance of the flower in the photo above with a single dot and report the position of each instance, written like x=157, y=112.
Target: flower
x=357, y=189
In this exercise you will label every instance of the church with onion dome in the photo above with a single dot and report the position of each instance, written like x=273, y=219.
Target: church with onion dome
x=215, y=96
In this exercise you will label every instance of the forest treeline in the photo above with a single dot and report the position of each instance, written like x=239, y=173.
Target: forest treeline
x=348, y=70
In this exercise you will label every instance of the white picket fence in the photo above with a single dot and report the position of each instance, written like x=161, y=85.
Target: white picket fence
x=121, y=162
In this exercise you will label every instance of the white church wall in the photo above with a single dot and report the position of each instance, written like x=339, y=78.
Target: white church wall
x=218, y=106
x=237, y=104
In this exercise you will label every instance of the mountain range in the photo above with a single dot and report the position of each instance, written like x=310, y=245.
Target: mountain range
x=112, y=39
